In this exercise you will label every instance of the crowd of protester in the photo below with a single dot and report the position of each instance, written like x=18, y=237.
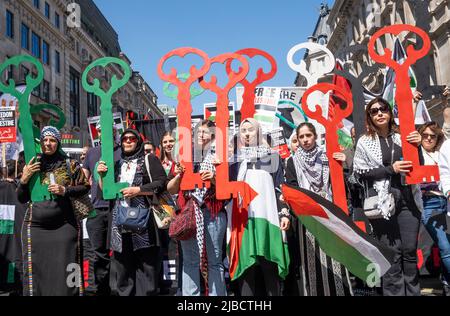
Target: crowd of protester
x=127, y=262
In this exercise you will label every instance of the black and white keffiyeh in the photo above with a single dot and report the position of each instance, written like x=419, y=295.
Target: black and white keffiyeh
x=314, y=165
x=51, y=131
x=368, y=156
x=251, y=154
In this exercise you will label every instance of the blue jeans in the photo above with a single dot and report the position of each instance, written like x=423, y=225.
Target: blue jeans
x=215, y=229
x=437, y=231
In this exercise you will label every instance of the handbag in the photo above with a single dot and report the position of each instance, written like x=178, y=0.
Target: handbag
x=183, y=226
x=370, y=206
x=132, y=219
x=165, y=207
x=82, y=205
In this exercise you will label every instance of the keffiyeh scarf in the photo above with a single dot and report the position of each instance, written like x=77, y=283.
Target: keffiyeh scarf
x=251, y=154
x=314, y=165
x=368, y=156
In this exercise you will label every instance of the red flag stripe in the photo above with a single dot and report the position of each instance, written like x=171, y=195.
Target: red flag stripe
x=301, y=204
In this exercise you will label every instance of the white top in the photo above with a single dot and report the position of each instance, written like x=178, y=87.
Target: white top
x=444, y=167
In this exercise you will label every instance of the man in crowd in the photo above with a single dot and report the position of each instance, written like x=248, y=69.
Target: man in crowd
x=97, y=225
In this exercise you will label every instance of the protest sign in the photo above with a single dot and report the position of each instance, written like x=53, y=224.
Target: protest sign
x=92, y=122
x=8, y=125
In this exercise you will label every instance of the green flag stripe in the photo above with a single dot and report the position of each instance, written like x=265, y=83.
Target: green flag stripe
x=338, y=249
x=6, y=227
x=11, y=269
x=262, y=239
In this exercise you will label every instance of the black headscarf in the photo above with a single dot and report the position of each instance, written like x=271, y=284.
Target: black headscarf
x=138, y=152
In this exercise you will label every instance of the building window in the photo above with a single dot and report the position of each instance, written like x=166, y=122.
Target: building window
x=46, y=91
x=47, y=10
x=37, y=4
x=91, y=104
x=57, y=20
x=35, y=45
x=10, y=73
x=57, y=62
x=45, y=53
x=25, y=37
x=9, y=24
x=74, y=98
x=58, y=94
x=24, y=71
x=37, y=91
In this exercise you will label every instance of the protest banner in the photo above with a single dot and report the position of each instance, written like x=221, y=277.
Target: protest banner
x=8, y=125
x=278, y=142
x=266, y=104
x=92, y=122
x=210, y=111
x=71, y=142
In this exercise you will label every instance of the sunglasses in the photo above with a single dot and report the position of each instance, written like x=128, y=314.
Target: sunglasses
x=374, y=111
x=131, y=139
x=426, y=136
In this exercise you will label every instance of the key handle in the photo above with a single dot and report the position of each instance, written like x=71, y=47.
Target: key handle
x=404, y=96
x=311, y=78
x=111, y=188
x=248, y=99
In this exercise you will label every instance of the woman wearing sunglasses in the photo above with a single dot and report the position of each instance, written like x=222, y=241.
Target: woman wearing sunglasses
x=433, y=198
x=136, y=259
x=378, y=164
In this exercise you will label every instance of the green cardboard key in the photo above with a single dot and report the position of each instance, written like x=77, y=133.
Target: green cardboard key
x=39, y=192
x=111, y=188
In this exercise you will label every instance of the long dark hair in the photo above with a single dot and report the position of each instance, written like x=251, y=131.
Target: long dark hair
x=372, y=130
x=163, y=152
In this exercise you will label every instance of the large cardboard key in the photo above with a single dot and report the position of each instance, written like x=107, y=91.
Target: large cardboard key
x=39, y=191
x=111, y=188
x=191, y=180
x=404, y=96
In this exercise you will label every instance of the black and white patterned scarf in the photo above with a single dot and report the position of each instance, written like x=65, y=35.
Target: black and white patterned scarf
x=368, y=156
x=315, y=166
x=247, y=155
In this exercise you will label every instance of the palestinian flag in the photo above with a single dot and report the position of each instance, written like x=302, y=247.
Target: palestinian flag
x=11, y=221
x=7, y=214
x=254, y=230
x=338, y=235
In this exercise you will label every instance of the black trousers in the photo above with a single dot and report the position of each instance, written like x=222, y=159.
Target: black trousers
x=400, y=233
x=261, y=279
x=97, y=228
x=135, y=273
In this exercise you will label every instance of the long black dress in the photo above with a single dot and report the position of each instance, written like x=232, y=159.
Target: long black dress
x=51, y=235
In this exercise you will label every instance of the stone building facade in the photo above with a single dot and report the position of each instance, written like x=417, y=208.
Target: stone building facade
x=39, y=28
x=352, y=22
